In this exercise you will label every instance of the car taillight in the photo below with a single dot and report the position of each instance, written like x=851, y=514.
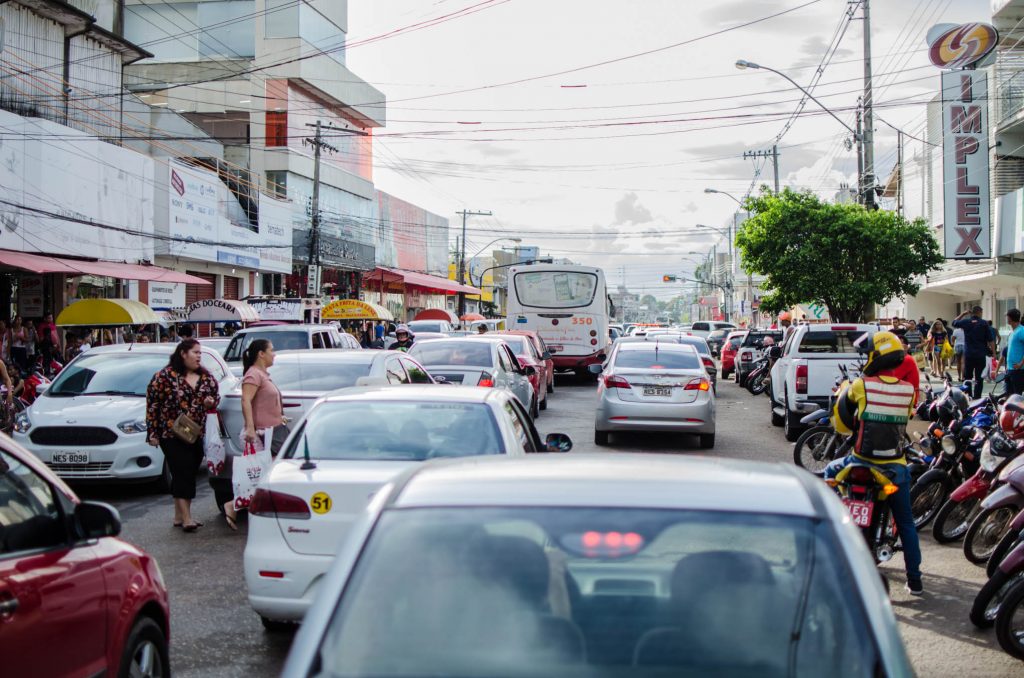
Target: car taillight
x=612, y=381
x=708, y=362
x=745, y=356
x=269, y=504
x=486, y=379
x=701, y=384
x=801, y=378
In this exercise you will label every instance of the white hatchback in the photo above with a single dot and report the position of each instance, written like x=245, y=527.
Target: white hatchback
x=349, y=445
x=90, y=423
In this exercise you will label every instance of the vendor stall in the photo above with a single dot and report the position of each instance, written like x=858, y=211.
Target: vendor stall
x=221, y=311
x=107, y=313
x=354, y=309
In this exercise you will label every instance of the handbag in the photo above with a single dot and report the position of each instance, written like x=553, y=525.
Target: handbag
x=947, y=351
x=185, y=429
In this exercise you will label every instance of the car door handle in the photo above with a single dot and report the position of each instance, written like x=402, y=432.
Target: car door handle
x=8, y=606
x=291, y=405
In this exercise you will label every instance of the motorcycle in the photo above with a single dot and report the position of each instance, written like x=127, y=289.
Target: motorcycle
x=1002, y=593
x=33, y=380
x=757, y=379
x=1012, y=476
x=1006, y=492
x=865, y=490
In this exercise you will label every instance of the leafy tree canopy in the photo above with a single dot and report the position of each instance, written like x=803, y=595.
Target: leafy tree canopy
x=842, y=256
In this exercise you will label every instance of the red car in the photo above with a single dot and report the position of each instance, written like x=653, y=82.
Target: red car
x=522, y=344
x=729, y=349
x=74, y=599
x=540, y=351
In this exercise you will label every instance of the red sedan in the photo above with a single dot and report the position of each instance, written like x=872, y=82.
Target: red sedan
x=729, y=348
x=74, y=599
x=540, y=352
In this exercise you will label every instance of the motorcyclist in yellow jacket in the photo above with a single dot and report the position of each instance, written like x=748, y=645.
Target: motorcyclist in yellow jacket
x=875, y=409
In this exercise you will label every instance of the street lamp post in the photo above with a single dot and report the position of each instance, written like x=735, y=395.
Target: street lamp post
x=469, y=268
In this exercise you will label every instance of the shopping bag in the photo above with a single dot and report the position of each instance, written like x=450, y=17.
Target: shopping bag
x=246, y=473
x=213, y=445
x=947, y=351
x=993, y=368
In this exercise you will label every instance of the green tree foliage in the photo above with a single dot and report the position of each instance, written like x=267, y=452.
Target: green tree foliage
x=842, y=256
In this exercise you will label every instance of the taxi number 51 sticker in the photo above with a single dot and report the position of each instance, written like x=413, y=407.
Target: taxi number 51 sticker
x=320, y=503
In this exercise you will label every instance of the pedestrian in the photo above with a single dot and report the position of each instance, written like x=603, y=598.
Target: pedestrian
x=177, y=400
x=19, y=340
x=977, y=344
x=30, y=340
x=404, y=339
x=262, y=410
x=933, y=346
x=185, y=330
x=958, y=351
x=922, y=326
x=913, y=336
x=378, y=337
x=73, y=344
x=47, y=342
x=1015, y=353
x=481, y=328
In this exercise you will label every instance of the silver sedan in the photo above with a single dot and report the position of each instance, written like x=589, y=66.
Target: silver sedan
x=658, y=386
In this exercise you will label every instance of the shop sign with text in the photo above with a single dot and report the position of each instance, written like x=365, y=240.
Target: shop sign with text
x=965, y=165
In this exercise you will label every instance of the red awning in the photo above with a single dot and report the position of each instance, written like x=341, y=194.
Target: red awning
x=40, y=263
x=430, y=282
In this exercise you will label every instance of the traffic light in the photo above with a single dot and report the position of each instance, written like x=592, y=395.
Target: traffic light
x=668, y=278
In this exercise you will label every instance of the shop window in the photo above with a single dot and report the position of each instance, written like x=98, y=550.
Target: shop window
x=277, y=128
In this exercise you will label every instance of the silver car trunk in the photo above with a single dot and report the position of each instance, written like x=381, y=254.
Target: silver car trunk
x=657, y=386
x=467, y=375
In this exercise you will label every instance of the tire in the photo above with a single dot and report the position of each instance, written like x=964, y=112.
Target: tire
x=926, y=499
x=600, y=438
x=986, y=532
x=758, y=384
x=534, y=410
x=777, y=419
x=277, y=626
x=953, y=520
x=790, y=427
x=991, y=597
x=1005, y=545
x=1010, y=621
x=544, y=404
x=707, y=441
x=815, y=448
x=145, y=651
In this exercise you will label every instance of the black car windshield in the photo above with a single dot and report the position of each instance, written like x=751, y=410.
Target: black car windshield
x=657, y=360
x=757, y=338
x=282, y=341
x=121, y=373
x=398, y=431
x=829, y=341
x=597, y=592
x=468, y=353
x=318, y=376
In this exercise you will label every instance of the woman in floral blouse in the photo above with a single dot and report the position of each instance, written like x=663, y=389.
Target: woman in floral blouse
x=183, y=387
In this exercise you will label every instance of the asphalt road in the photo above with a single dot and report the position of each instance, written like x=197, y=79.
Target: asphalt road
x=214, y=633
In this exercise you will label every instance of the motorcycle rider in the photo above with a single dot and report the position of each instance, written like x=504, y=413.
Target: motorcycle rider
x=877, y=406
x=405, y=339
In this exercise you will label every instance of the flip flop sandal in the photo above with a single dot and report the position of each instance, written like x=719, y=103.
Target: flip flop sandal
x=231, y=522
x=177, y=524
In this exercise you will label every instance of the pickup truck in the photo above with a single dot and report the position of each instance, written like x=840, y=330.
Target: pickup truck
x=804, y=375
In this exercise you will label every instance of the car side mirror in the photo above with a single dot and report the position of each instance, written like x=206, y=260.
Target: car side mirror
x=546, y=356
x=96, y=519
x=558, y=442
x=596, y=368
x=529, y=370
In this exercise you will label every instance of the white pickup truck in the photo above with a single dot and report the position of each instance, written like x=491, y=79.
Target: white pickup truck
x=803, y=377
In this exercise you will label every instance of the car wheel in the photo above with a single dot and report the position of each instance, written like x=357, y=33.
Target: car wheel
x=789, y=426
x=145, y=652
x=707, y=441
x=600, y=437
x=277, y=626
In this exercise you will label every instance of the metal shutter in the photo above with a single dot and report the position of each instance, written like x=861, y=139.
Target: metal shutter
x=231, y=285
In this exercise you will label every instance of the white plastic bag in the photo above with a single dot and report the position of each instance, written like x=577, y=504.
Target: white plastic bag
x=246, y=473
x=213, y=445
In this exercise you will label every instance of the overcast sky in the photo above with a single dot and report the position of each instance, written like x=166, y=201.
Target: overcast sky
x=591, y=164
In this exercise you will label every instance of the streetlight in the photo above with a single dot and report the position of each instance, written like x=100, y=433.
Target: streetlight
x=715, y=190
x=469, y=268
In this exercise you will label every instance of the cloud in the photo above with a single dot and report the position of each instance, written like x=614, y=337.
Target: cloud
x=725, y=14
x=690, y=207
x=490, y=150
x=814, y=47
x=629, y=210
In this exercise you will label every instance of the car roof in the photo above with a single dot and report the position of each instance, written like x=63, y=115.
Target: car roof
x=471, y=338
x=333, y=355
x=610, y=480
x=417, y=392
x=164, y=348
x=647, y=345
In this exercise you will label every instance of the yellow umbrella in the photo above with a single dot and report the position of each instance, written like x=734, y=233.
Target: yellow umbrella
x=95, y=312
x=353, y=309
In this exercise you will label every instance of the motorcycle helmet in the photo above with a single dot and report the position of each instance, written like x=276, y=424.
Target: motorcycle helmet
x=785, y=315
x=944, y=410
x=1001, y=446
x=1011, y=417
x=883, y=349
x=960, y=399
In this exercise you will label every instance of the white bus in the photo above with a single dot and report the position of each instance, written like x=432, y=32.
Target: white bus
x=567, y=305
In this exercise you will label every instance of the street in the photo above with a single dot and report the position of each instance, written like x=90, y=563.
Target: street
x=214, y=633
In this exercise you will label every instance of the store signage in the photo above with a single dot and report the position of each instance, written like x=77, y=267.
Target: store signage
x=289, y=310
x=952, y=46
x=965, y=165
x=164, y=296
x=30, y=296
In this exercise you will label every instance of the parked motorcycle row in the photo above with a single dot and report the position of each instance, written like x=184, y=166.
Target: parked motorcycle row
x=968, y=486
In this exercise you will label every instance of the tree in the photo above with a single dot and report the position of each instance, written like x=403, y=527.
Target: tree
x=844, y=257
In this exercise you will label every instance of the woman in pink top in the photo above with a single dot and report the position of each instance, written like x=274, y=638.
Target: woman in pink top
x=261, y=404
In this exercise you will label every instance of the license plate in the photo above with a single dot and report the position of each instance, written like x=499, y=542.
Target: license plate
x=69, y=458
x=657, y=390
x=860, y=511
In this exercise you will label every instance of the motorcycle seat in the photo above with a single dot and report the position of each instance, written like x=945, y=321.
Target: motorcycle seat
x=974, y=404
x=1014, y=406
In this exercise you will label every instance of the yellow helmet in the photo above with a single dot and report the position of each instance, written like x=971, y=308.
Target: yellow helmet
x=883, y=349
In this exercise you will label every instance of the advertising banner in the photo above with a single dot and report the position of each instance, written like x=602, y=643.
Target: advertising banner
x=965, y=165
x=30, y=296
x=165, y=296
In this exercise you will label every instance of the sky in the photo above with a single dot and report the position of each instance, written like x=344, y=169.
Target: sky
x=590, y=128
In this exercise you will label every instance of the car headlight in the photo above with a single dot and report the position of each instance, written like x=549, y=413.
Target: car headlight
x=22, y=423
x=137, y=426
x=949, y=445
x=989, y=462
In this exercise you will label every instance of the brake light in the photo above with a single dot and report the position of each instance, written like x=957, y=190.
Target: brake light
x=745, y=356
x=612, y=381
x=861, y=474
x=701, y=384
x=801, y=378
x=269, y=504
x=708, y=362
x=486, y=379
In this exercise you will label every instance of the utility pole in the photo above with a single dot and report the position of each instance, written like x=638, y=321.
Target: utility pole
x=774, y=154
x=318, y=144
x=868, y=133
x=462, y=256
x=899, y=172
x=861, y=183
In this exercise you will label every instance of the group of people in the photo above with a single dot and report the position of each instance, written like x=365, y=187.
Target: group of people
x=179, y=397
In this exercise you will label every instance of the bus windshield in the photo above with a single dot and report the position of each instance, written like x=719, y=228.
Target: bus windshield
x=555, y=289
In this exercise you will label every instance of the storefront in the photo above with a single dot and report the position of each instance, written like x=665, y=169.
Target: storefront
x=407, y=293
x=343, y=263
